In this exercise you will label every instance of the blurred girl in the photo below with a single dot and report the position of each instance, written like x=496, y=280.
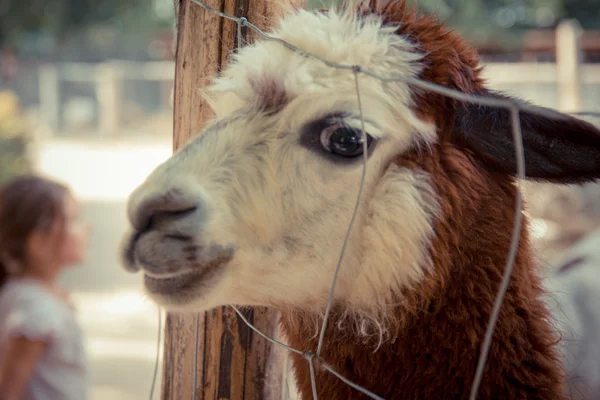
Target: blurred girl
x=41, y=350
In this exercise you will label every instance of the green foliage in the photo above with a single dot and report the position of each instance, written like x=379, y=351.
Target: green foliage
x=59, y=18
x=14, y=140
x=502, y=21
x=587, y=12
x=12, y=160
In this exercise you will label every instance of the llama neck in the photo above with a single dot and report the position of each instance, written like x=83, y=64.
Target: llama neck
x=434, y=350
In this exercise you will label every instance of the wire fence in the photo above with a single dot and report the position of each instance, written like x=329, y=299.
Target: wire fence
x=514, y=107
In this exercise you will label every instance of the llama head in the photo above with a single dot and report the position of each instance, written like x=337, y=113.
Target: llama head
x=254, y=211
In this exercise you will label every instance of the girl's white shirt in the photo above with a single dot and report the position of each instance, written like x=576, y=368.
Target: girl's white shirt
x=28, y=309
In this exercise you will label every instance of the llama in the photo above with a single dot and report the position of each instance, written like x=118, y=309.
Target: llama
x=573, y=297
x=567, y=247
x=255, y=209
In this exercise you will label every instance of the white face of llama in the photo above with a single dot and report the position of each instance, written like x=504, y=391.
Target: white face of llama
x=255, y=210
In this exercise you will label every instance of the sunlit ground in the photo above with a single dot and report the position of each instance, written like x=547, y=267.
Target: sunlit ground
x=110, y=317
x=119, y=321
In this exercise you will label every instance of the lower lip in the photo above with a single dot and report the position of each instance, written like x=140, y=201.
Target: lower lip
x=179, y=283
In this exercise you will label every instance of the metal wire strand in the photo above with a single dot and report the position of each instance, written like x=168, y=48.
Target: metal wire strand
x=355, y=70
x=240, y=24
x=157, y=354
x=512, y=254
x=270, y=339
x=196, y=343
x=307, y=355
x=313, y=379
x=594, y=114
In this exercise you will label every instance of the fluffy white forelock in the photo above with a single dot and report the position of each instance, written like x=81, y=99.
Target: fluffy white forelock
x=341, y=38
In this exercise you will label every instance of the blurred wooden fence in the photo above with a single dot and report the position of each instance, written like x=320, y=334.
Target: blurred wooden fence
x=568, y=84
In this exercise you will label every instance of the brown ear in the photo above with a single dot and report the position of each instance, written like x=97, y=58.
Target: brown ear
x=558, y=147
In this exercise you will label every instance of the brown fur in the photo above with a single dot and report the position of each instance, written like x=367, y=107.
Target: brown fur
x=271, y=96
x=448, y=61
x=441, y=324
x=435, y=352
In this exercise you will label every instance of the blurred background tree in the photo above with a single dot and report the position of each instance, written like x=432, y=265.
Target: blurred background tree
x=44, y=27
x=503, y=22
x=14, y=138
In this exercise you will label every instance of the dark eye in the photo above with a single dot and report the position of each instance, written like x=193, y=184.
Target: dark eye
x=344, y=141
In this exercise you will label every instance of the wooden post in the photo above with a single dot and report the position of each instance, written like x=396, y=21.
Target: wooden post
x=568, y=63
x=49, y=89
x=232, y=362
x=108, y=82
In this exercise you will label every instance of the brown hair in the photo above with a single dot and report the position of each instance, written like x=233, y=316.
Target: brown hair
x=28, y=203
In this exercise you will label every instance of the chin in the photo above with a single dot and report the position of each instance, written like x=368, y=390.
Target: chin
x=192, y=291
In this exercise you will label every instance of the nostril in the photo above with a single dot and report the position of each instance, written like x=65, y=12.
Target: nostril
x=161, y=215
x=146, y=208
x=178, y=237
x=183, y=212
